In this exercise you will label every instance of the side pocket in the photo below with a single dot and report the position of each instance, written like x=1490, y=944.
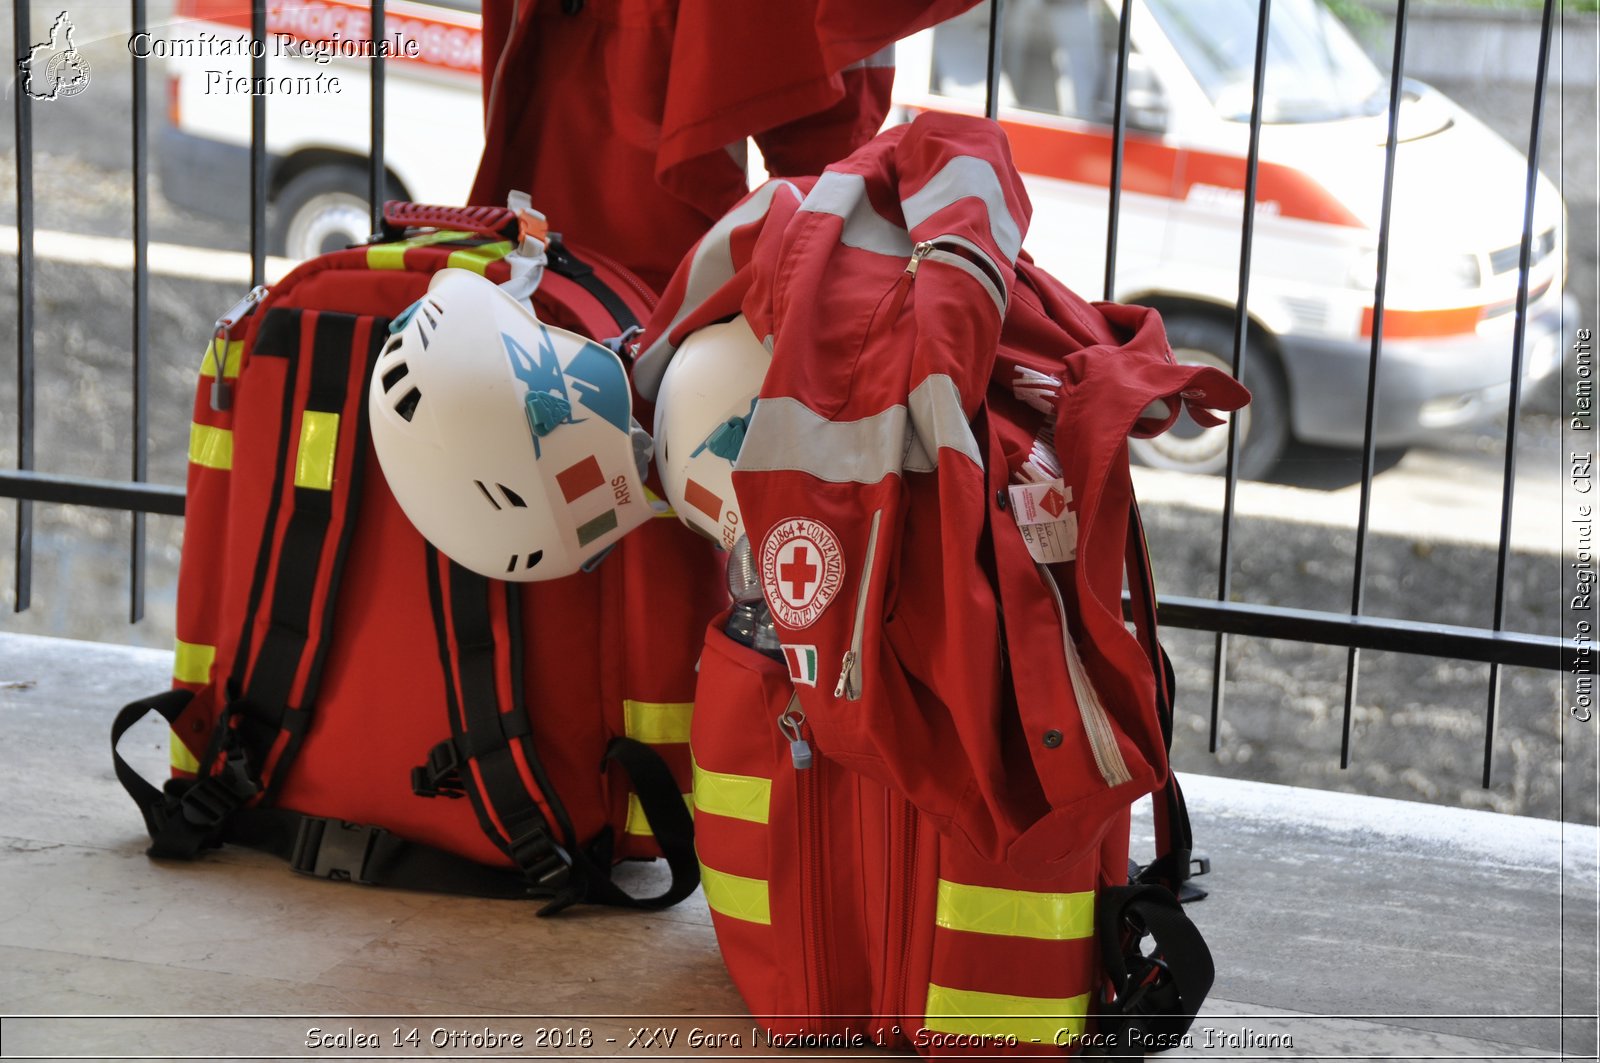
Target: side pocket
x=768, y=818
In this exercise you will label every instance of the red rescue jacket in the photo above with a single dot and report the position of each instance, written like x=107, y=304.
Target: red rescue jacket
x=1001, y=694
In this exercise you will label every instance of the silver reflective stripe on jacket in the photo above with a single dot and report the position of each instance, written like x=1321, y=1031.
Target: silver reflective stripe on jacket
x=967, y=176
x=786, y=436
x=845, y=195
x=710, y=268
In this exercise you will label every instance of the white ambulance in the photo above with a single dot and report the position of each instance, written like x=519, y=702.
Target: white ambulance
x=1457, y=211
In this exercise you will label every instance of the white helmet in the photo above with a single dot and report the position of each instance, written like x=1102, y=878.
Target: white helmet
x=702, y=408
x=510, y=445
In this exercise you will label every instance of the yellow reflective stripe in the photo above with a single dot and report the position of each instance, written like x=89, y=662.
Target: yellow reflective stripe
x=393, y=256
x=658, y=505
x=657, y=722
x=638, y=823
x=735, y=796
x=1015, y=913
x=233, y=352
x=319, y=440
x=477, y=259
x=211, y=447
x=736, y=896
x=1047, y=1020
x=191, y=662
x=180, y=756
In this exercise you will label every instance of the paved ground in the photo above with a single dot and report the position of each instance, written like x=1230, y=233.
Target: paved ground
x=1347, y=927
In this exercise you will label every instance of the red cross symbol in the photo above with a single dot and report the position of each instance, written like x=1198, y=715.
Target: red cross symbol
x=799, y=573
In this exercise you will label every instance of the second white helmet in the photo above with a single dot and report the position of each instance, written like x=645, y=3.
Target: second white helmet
x=510, y=444
x=702, y=409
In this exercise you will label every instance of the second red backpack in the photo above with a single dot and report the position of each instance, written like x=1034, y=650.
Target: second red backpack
x=346, y=697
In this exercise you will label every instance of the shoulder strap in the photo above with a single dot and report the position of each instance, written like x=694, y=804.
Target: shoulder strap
x=310, y=517
x=521, y=811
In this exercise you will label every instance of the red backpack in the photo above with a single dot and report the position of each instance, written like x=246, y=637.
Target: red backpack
x=913, y=828
x=340, y=686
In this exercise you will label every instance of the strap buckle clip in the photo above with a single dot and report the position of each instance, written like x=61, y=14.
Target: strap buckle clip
x=334, y=849
x=441, y=775
x=547, y=865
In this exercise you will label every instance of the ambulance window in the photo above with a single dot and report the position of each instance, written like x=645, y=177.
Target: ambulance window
x=1057, y=57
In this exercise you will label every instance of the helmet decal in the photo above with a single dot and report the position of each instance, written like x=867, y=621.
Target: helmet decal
x=601, y=385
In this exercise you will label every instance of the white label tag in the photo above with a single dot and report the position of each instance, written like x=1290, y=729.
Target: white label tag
x=1045, y=518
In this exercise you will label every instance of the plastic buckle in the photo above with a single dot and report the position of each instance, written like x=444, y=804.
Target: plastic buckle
x=1139, y=982
x=1199, y=864
x=334, y=849
x=441, y=775
x=216, y=797
x=546, y=864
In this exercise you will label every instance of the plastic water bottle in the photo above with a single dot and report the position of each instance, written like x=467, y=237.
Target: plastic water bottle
x=750, y=623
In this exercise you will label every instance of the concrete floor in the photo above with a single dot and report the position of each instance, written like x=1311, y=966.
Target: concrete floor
x=1355, y=927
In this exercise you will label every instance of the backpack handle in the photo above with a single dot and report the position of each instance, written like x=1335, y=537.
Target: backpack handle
x=501, y=223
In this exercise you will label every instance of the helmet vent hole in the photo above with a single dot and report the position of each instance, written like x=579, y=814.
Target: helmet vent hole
x=437, y=308
x=431, y=319
x=512, y=497
x=395, y=374
x=394, y=344
x=487, y=496
x=534, y=558
x=407, y=406
x=422, y=334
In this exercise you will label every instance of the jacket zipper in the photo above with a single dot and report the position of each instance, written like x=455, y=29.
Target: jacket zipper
x=813, y=837
x=849, y=685
x=1096, y=722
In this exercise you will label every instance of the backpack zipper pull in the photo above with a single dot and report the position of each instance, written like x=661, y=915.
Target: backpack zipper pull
x=221, y=391
x=789, y=722
x=846, y=666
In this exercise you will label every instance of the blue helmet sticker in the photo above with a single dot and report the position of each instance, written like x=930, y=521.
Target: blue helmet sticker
x=597, y=378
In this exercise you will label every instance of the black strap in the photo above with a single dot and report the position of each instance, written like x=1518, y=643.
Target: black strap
x=331, y=848
x=560, y=260
x=669, y=820
x=186, y=815
x=508, y=812
x=1156, y=995
x=258, y=689
x=1174, y=836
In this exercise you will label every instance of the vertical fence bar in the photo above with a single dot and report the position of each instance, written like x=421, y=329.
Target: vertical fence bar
x=991, y=99
x=22, y=33
x=1119, y=128
x=1241, y=327
x=258, y=144
x=1519, y=337
x=376, y=185
x=141, y=320
x=1380, y=288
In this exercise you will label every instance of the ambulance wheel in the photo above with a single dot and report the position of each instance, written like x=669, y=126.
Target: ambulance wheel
x=1263, y=425
x=323, y=209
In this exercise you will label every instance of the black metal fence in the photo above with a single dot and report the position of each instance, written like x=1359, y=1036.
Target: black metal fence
x=1353, y=630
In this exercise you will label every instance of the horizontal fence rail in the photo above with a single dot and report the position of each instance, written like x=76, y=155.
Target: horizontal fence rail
x=1354, y=631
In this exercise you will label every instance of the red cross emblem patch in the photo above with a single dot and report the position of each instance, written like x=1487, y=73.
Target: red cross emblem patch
x=802, y=569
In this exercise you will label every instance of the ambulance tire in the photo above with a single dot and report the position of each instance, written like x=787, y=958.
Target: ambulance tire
x=1263, y=425
x=323, y=209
